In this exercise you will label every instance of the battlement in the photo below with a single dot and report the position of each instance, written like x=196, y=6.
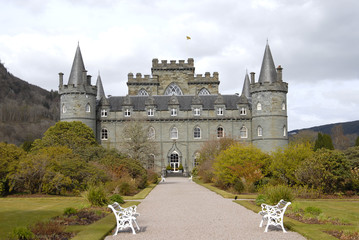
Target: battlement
x=66, y=89
x=207, y=77
x=139, y=79
x=172, y=64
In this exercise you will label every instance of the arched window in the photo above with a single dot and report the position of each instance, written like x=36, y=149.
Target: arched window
x=174, y=133
x=260, y=131
x=196, y=133
x=142, y=92
x=88, y=107
x=151, y=133
x=64, y=109
x=204, y=91
x=259, y=106
x=243, y=132
x=104, y=134
x=173, y=89
x=283, y=106
x=220, y=132
x=284, y=131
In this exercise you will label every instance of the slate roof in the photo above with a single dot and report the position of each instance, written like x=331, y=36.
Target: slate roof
x=162, y=102
x=268, y=72
x=77, y=69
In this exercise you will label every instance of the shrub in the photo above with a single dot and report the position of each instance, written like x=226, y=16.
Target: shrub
x=48, y=229
x=152, y=176
x=238, y=185
x=194, y=172
x=125, y=188
x=96, y=195
x=313, y=211
x=21, y=233
x=261, y=198
x=117, y=198
x=70, y=211
x=275, y=193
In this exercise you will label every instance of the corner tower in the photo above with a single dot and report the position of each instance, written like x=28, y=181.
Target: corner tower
x=78, y=97
x=269, y=106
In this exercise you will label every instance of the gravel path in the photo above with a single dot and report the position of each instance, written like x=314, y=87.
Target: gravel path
x=179, y=209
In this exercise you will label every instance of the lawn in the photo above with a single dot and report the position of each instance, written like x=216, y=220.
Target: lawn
x=345, y=210
x=15, y=212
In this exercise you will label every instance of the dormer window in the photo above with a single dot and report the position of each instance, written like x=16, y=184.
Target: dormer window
x=243, y=111
x=197, y=112
x=173, y=112
x=103, y=113
x=88, y=108
x=127, y=112
x=220, y=111
x=150, y=112
x=259, y=106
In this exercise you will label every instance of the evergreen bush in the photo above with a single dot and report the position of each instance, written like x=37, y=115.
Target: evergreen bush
x=96, y=195
x=117, y=198
x=21, y=233
x=275, y=193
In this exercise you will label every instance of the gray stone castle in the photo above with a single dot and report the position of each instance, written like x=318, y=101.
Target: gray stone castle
x=180, y=109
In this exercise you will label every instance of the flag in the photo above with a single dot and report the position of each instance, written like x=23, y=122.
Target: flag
x=188, y=37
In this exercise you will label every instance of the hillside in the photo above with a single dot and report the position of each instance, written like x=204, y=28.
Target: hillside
x=26, y=111
x=349, y=128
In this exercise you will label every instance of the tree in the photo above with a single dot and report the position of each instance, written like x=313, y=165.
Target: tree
x=137, y=144
x=75, y=135
x=286, y=161
x=208, y=153
x=323, y=141
x=240, y=162
x=357, y=141
x=304, y=136
x=340, y=141
x=326, y=170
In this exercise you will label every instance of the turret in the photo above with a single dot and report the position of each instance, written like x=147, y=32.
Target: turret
x=78, y=97
x=269, y=101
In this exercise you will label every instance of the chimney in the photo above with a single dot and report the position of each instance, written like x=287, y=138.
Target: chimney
x=61, y=79
x=279, y=73
x=252, y=77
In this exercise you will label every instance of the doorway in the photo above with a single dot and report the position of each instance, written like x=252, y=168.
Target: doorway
x=174, y=162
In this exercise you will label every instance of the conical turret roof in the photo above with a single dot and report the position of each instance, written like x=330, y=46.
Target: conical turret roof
x=100, y=90
x=268, y=72
x=78, y=67
x=245, y=91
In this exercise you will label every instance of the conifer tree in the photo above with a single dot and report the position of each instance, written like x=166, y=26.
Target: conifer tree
x=323, y=141
x=357, y=141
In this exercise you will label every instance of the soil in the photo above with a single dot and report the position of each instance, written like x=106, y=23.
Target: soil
x=340, y=235
x=85, y=216
x=313, y=220
x=58, y=236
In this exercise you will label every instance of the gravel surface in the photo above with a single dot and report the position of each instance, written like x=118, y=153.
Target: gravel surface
x=180, y=209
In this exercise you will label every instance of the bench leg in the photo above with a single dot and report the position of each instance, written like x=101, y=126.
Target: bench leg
x=266, y=230
x=138, y=228
x=283, y=227
x=261, y=224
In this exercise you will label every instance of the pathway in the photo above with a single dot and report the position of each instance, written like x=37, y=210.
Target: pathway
x=179, y=209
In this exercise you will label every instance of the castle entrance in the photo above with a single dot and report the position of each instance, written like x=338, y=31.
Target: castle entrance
x=174, y=162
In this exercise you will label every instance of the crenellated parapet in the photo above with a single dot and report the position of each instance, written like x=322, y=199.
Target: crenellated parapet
x=206, y=79
x=173, y=65
x=139, y=80
x=269, y=87
x=85, y=87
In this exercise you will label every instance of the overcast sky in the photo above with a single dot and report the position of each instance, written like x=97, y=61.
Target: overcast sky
x=315, y=41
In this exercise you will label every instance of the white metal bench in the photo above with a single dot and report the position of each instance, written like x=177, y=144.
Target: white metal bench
x=124, y=217
x=273, y=214
x=163, y=179
x=190, y=179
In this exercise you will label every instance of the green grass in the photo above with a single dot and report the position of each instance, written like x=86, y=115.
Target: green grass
x=17, y=212
x=142, y=194
x=347, y=211
x=223, y=193
x=99, y=229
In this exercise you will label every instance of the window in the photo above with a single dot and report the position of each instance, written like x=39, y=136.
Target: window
x=220, y=132
x=88, y=108
x=128, y=112
x=103, y=113
x=151, y=133
x=284, y=131
x=150, y=112
x=173, y=89
x=243, y=132
x=204, y=91
x=259, y=106
x=220, y=111
x=197, y=111
x=104, y=134
x=64, y=109
x=196, y=133
x=173, y=111
x=283, y=106
x=243, y=111
x=260, y=131
x=174, y=133
x=142, y=92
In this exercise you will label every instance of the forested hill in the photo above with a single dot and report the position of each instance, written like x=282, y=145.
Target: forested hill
x=349, y=128
x=26, y=111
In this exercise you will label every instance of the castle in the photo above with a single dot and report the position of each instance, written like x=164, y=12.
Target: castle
x=180, y=109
